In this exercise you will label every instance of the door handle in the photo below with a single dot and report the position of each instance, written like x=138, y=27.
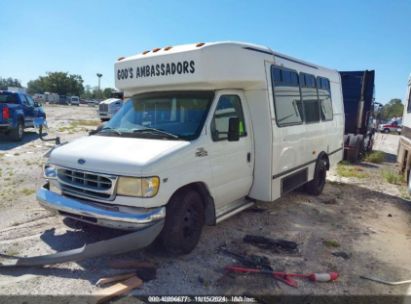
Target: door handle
x=248, y=157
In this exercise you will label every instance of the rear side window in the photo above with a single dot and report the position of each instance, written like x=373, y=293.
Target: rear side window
x=310, y=98
x=8, y=98
x=287, y=97
x=324, y=95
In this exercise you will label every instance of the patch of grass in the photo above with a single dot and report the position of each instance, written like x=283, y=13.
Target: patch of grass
x=2, y=154
x=16, y=154
x=376, y=157
x=27, y=191
x=393, y=177
x=331, y=243
x=346, y=170
x=84, y=122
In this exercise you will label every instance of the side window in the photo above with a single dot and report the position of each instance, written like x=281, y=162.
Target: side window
x=310, y=98
x=23, y=99
x=228, y=106
x=324, y=95
x=287, y=97
x=30, y=101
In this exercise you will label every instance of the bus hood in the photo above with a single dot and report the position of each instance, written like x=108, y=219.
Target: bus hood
x=113, y=155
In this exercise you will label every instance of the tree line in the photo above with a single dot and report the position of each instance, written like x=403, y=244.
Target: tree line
x=61, y=83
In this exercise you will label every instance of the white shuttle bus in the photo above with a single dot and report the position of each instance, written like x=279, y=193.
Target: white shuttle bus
x=404, y=147
x=206, y=131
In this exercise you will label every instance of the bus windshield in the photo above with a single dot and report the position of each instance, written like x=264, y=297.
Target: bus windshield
x=171, y=115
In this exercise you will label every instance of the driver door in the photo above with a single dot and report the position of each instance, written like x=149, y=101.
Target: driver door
x=231, y=161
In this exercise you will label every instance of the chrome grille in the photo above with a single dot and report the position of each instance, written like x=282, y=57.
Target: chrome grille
x=103, y=107
x=87, y=184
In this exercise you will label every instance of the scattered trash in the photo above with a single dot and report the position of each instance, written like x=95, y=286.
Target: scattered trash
x=121, y=288
x=287, y=278
x=392, y=283
x=260, y=262
x=341, y=254
x=277, y=245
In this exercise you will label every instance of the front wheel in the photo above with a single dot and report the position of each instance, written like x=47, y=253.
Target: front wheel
x=184, y=222
x=316, y=186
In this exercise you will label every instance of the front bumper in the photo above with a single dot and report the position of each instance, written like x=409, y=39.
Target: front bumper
x=118, y=217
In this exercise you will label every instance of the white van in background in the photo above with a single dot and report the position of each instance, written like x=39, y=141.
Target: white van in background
x=208, y=129
x=73, y=100
x=107, y=108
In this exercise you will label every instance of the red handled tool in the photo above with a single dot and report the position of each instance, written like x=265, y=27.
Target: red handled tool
x=287, y=278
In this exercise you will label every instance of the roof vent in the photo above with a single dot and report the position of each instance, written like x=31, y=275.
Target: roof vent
x=167, y=48
x=200, y=44
x=145, y=52
x=156, y=50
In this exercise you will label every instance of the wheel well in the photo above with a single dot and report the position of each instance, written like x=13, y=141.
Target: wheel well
x=207, y=199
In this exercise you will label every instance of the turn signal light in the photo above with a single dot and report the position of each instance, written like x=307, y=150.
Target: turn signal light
x=6, y=113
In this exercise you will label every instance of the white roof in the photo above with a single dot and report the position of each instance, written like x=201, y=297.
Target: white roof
x=202, y=66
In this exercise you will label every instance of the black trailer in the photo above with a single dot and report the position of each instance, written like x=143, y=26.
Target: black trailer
x=360, y=126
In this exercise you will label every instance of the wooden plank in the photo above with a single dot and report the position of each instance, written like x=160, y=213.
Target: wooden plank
x=116, y=278
x=118, y=289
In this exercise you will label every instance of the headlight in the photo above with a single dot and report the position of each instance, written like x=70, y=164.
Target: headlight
x=49, y=171
x=138, y=186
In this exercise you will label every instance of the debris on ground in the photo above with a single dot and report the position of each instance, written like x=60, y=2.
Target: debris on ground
x=118, y=289
x=276, y=245
x=287, y=278
x=341, y=254
x=392, y=283
x=116, y=278
x=260, y=262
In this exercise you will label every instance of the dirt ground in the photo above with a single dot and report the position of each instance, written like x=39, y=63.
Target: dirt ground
x=367, y=218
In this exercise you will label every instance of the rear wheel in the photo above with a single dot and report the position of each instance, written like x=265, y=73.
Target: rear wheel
x=184, y=222
x=17, y=133
x=386, y=130
x=316, y=186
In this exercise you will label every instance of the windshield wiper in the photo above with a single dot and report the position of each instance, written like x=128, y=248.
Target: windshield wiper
x=111, y=130
x=153, y=130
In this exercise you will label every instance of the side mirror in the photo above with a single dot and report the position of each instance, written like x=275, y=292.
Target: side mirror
x=98, y=129
x=36, y=104
x=234, y=129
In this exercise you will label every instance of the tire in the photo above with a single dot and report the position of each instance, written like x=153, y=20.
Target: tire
x=184, y=222
x=386, y=130
x=17, y=133
x=356, y=144
x=316, y=186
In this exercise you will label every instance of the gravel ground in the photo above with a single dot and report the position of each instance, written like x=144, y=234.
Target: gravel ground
x=367, y=218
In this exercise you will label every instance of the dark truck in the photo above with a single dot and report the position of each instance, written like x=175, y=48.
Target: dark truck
x=17, y=112
x=358, y=96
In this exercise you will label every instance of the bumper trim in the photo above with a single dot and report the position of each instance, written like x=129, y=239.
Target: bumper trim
x=108, y=216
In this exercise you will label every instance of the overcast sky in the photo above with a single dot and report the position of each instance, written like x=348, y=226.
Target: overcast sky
x=86, y=37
